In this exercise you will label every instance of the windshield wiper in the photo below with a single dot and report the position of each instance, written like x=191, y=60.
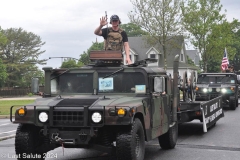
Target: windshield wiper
x=60, y=74
x=114, y=73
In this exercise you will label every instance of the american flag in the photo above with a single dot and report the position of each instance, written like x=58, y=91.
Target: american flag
x=225, y=62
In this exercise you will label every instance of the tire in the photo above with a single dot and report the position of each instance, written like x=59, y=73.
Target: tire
x=130, y=145
x=27, y=140
x=233, y=105
x=169, y=139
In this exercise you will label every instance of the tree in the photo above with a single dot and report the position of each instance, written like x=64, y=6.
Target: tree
x=34, y=72
x=20, y=53
x=160, y=18
x=221, y=37
x=84, y=58
x=199, y=18
x=71, y=64
x=133, y=30
x=190, y=61
x=236, y=45
x=3, y=73
x=3, y=38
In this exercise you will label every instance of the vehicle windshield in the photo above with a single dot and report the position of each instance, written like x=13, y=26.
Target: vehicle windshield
x=75, y=83
x=121, y=82
x=216, y=79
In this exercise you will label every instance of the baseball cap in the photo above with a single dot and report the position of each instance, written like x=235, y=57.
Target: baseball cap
x=114, y=17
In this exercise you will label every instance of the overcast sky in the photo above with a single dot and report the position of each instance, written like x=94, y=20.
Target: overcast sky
x=67, y=26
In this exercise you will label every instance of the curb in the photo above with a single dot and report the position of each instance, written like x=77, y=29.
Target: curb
x=5, y=117
x=7, y=137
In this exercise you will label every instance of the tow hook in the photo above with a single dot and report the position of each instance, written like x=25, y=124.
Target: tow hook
x=55, y=136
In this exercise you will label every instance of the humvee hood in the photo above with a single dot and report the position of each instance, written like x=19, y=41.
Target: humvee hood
x=96, y=100
x=214, y=85
x=120, y=101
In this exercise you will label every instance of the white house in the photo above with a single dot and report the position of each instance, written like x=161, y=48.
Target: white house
x=139, y=50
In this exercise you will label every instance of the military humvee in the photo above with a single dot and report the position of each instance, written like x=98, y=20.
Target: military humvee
x=104, y=106
x=212, y=85
x=208, y=111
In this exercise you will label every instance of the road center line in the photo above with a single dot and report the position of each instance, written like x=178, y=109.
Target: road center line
x=7, y=132
x=4, y=124
x=7, y=136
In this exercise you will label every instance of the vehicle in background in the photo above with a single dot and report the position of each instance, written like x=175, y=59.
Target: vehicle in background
x=212, y=85
x=208, y=111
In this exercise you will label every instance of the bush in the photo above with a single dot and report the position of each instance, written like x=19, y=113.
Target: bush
x=30, y=94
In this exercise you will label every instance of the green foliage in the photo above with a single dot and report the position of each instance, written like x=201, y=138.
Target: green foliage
x=26, y=78
x=160, y=19
x=3, y=73
x=84, y=58
x=20, y=54
x=71, y=64
x=3, y=38
x=214, y=65
x=190, y=61
x=6, y=105
x=199, y=18
x=236, y=45
x=30, y=94
x=133, y=30
x=222, y=35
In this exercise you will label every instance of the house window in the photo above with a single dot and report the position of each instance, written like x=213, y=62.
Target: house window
x=153, y=56
x=181, y=57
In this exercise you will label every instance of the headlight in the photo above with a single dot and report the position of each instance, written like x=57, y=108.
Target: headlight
x=210, y=89
x=204, y=90
x=43, y=117
x=223, y=90
x=96, y=117
x=218, y=89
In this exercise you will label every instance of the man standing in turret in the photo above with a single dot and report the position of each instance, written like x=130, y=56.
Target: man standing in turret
x=114, y=37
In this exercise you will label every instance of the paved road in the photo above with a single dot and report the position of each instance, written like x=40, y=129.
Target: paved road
x=7, y=128
x=220, y=143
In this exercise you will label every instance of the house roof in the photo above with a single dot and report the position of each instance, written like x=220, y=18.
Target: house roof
x=139, y=46
x=174, y=46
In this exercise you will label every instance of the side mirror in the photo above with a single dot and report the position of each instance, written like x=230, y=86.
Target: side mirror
x=159, y=84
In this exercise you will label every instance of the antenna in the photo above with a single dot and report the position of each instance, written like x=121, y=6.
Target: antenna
x=107, y=32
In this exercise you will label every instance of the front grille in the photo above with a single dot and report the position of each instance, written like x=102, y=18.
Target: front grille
x=68, y=118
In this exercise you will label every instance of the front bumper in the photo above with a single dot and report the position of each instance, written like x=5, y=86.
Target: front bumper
x=208, y=96
x=72, y=126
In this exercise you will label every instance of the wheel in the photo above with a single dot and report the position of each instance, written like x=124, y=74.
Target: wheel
x=27, y=141
x=130, y=144
x=232, y=105
x=169, y=139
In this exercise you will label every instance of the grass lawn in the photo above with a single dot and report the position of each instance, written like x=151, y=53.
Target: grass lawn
x=5, y=105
